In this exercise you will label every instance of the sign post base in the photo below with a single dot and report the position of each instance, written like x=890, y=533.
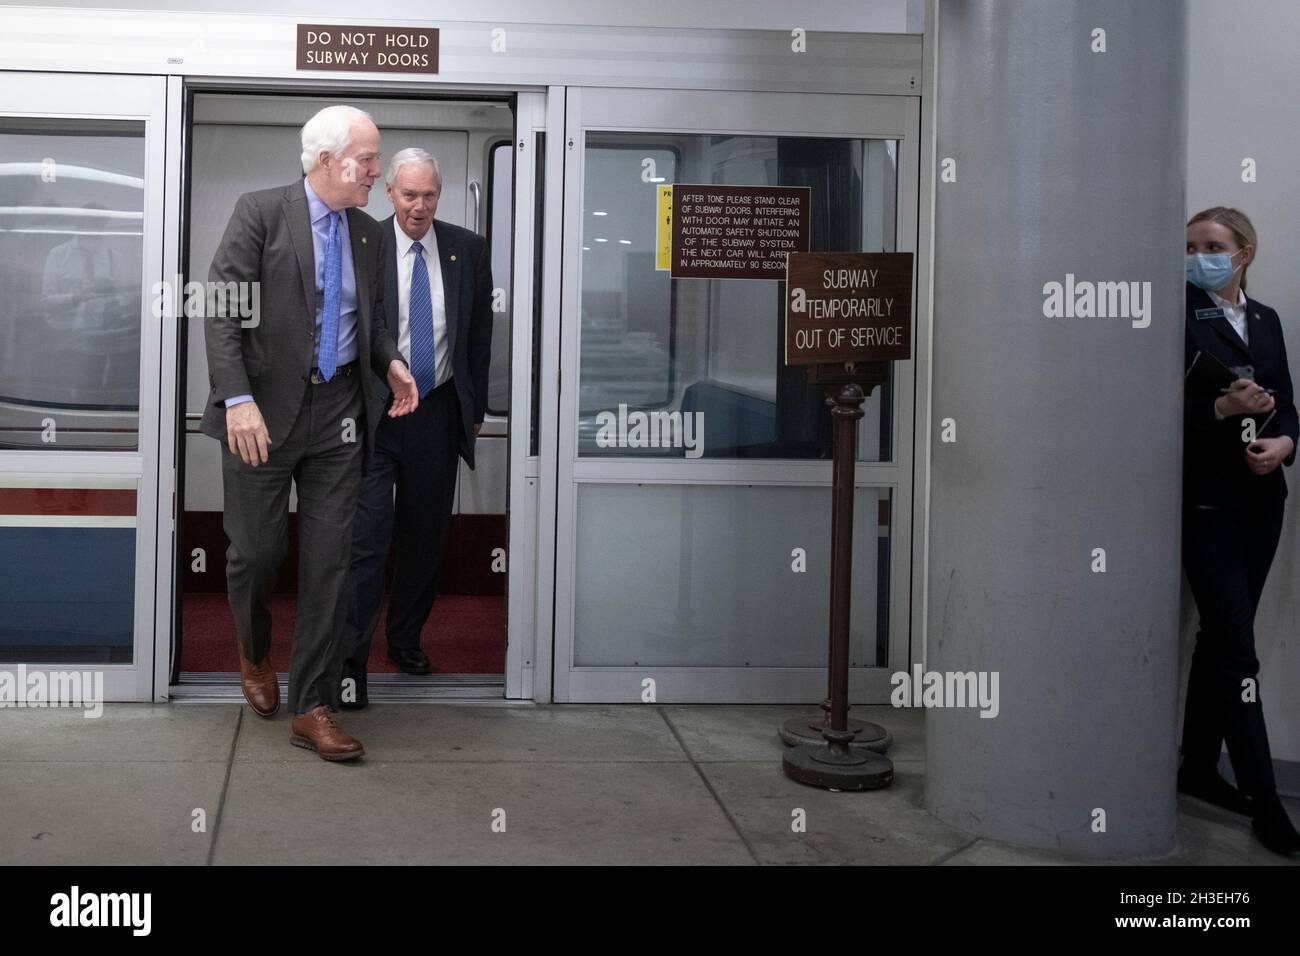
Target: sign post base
x=834, y=763
x=807, y=729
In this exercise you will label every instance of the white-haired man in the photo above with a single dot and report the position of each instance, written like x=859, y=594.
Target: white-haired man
x=291, y=403
x=438, y=283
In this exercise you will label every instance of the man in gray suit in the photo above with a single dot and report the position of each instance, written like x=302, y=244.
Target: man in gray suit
x=291, y=402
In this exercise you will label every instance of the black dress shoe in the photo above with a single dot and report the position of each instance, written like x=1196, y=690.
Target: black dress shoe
x=409, y=660
x=1274, y=829
x=360, y=697
x=1212, y=788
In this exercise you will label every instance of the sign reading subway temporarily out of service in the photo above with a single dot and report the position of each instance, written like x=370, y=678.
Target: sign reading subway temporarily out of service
x=848, y=307
x=367, y=49
x=737, y=232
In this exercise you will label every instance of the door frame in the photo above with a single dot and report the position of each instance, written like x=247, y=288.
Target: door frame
x=857, y=116
x=138, y=98
x=527, y=668
x=535, y=328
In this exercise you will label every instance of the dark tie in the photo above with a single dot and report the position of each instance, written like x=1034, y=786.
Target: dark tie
x=423, y=361
x=327, y=359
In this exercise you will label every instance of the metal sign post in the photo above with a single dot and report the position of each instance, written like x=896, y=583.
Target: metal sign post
x=847, y=315
x=807, y=728
x=835, y=763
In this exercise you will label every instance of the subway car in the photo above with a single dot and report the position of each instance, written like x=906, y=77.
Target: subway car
x=576, y=567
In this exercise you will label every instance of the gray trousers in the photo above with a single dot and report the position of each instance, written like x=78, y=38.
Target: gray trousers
x=321, y=455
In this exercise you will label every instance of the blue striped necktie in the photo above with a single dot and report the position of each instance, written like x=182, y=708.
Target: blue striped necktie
x=424, y=366
x=327, y=359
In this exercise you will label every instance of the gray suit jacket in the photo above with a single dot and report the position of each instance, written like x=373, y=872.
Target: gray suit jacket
x=268, y=240
x=467, y=286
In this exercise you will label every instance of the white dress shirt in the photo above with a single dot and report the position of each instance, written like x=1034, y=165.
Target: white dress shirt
x=1235, y=314
x=405, y=260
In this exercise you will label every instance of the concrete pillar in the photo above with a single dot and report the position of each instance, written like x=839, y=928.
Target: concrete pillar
x=1069, y=162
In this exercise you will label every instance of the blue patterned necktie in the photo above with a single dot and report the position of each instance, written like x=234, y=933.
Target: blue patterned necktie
x=328, y=355
x=424, y=367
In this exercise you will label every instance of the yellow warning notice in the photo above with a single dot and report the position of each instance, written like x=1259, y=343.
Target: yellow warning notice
x=664, y=230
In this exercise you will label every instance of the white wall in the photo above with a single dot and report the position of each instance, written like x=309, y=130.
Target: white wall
x=847, y=16
x=1244, y=101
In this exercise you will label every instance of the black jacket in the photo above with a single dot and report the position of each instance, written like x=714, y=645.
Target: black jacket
x=467, y=286
x=1214, y=456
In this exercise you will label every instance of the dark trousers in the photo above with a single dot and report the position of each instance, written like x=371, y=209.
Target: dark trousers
x=1227, y=554
x=418, y=454
x=321, y=455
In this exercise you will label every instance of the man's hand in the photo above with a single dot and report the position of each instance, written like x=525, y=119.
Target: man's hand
x=246, y=433
x=406, y=397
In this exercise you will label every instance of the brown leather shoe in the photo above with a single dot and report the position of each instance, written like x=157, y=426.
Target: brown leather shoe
x=316, y=730
x=261, y=687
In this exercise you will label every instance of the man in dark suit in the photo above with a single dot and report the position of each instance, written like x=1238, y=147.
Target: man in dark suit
x=440, y=278
x=292, y=403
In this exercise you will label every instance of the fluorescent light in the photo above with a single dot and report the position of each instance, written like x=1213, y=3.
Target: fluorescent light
x=626, y=242
x=601, y=240
x=599, y=212
x=88, y=173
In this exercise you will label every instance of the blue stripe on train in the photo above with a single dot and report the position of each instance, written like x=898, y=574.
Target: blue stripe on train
x=71, y=586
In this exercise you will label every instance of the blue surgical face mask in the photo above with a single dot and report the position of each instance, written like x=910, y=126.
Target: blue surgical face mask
x=1210, y=271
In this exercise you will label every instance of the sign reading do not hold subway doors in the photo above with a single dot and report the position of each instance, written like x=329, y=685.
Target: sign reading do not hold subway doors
x=367, y=49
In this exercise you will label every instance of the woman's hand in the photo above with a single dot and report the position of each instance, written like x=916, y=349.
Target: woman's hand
x=1265, y=454
x=1245, y=398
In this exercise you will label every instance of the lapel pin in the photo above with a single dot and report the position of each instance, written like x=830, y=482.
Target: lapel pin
x=453, y=257
x=363, y=240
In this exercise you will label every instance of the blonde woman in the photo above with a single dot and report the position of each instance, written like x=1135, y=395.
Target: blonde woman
x=1233, y=496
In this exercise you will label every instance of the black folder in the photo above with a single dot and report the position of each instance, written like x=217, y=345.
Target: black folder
x=1209, y=377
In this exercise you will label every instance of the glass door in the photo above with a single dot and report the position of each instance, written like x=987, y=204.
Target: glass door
x=81, y=212
x=697, y=568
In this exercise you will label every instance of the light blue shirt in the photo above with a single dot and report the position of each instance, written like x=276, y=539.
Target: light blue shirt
x=320, y=233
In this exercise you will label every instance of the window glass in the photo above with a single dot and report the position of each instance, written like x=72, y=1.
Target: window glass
x=700, y=576
x=500, y=203
x=71, y=245
x=703, y=358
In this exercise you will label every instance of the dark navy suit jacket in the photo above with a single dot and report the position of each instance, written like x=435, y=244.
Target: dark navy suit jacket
x=467, y=287
x=1214, y=456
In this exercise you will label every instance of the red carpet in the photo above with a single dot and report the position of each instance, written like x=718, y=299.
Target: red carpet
x=465, y=634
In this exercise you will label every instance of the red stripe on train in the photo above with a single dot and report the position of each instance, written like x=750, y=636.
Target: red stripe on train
x=67, y=501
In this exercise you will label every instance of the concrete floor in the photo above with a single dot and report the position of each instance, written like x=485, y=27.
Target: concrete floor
x=213, y=783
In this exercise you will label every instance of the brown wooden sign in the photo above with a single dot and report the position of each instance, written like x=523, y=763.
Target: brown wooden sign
x=367, y=49
x=848, y=307
x=737, y=232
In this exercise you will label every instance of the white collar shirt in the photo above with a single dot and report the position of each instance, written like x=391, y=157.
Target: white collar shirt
x=432, y=261
x=1235, y=314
